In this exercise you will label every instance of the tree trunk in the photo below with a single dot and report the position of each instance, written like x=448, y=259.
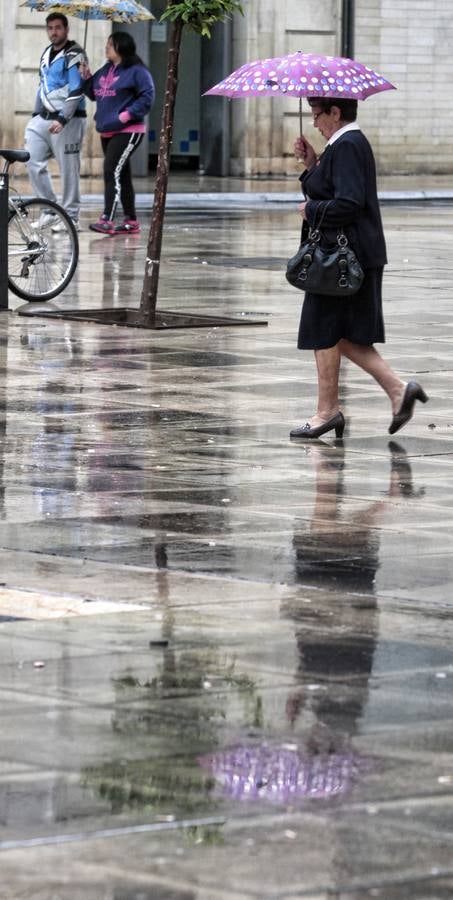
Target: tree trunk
x=151, y=280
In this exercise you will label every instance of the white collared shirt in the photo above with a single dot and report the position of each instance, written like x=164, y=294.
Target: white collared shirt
x=351, y=126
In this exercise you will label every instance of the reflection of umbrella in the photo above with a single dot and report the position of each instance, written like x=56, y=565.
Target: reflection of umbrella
x=283, y=773
x=303, y=75
x=125, y=11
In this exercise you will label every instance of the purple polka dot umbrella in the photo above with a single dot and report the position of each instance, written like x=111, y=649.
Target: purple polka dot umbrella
x=302, y=75
x=283, y=774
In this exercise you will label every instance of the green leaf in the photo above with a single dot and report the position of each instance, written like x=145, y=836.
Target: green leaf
x=200, y=15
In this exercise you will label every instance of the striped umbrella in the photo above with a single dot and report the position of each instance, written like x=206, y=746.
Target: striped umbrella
x=124, y=11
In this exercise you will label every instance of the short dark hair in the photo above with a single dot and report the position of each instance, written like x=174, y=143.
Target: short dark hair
x=347, y=107
x=124, y=46
x=52, y=16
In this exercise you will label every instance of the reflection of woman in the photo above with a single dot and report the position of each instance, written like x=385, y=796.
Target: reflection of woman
x=124, y=91
x=343, y=551
x=336, y=644
x=341, y=187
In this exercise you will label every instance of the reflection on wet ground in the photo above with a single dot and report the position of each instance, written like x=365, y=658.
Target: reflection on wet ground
x=226, y=658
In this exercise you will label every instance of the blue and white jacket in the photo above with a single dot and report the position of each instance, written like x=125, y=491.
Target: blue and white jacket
x=60, y=90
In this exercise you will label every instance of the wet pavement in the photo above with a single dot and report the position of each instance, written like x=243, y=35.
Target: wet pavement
x=226, y=657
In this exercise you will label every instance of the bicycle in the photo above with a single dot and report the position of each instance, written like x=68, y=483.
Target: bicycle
x=43, y=247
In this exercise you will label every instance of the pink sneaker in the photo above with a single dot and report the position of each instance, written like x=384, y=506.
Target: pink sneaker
x=129, y=226
x=103, y=226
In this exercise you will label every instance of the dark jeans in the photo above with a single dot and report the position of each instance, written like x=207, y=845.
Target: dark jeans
x=117, y=173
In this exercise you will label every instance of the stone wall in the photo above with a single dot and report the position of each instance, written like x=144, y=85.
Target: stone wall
x=23, y=38
x=410, y=41
x=264, y=128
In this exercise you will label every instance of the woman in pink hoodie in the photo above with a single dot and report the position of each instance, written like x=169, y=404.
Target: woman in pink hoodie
x=124, y=93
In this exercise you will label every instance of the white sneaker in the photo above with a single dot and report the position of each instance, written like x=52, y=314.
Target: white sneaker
x=45, y=219
x=60, y=226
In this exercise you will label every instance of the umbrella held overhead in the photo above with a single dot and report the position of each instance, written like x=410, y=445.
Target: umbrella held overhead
x=125, y=11
x=302, y=75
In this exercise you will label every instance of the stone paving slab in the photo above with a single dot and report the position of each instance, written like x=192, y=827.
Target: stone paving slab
x=225, y=658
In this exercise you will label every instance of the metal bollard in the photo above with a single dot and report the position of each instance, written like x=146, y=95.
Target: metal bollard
x=3, y=241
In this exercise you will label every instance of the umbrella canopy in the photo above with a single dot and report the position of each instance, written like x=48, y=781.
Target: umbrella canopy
x=303, y=75
x=282, y=774
x=125, y=11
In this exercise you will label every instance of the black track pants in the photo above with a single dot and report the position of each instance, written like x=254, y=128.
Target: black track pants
x=117, y=173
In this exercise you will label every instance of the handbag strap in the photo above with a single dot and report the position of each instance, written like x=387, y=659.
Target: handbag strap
x=323, y=213
x=315, y=229
x=314, y=232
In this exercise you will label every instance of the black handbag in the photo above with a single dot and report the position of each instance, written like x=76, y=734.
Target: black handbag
x=333, y=271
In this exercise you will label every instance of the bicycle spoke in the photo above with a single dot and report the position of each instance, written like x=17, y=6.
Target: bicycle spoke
x=43, y=249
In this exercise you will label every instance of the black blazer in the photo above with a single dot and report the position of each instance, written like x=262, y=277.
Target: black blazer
x=346, y=174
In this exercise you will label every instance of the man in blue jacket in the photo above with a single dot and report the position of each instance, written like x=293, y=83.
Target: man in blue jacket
x=58, y=123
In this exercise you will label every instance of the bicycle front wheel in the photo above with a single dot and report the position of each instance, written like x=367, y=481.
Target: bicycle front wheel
x=43, y=249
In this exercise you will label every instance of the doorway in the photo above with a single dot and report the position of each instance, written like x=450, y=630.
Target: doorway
x=201, y=132
x=185, y=151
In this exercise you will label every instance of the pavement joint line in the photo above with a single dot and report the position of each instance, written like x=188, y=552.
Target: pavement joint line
x=122, y=831
x=340, y=889
x=254, y=199
x=158, y=827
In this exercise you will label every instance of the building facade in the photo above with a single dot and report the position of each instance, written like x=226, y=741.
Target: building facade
x=409, y=41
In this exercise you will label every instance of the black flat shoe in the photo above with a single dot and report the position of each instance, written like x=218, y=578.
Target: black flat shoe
x=412, y=393
x=306, y=431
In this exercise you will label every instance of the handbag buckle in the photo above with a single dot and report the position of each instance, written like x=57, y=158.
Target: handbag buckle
x=343, y=265
x=306, y=262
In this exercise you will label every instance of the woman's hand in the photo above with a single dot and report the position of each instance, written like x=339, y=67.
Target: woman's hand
x=84, y=70
x=301, y=209
x=304, y=151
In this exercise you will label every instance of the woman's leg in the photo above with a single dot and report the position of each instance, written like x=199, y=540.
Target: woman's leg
x=104, y=225
x=328, y=367
x=127, y=192
x=123, y=174
x=368, y=359
x=108, y=146
x=117, y=150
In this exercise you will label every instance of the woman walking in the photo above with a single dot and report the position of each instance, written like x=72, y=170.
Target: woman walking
x=124, y=93
x=341, y=187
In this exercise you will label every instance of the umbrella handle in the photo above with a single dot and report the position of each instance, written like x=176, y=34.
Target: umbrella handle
x=85, y=35
x=300, y=114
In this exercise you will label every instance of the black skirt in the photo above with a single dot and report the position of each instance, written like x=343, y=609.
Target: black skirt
x=326, y=320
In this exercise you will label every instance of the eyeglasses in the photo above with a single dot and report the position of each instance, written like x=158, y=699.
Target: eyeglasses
x=317, y=115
